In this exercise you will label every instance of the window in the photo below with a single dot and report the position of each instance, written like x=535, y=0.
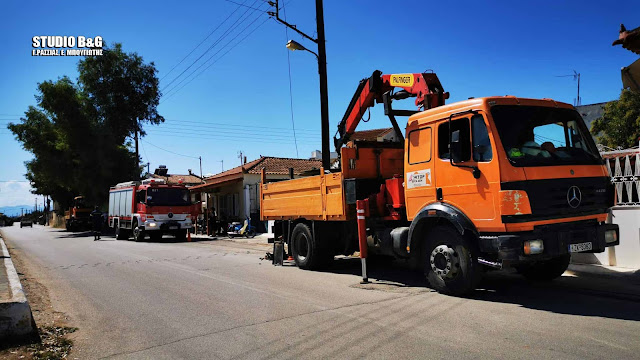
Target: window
x=481, y=143
x=443, y=138
x=420, y=146
x=544, y=136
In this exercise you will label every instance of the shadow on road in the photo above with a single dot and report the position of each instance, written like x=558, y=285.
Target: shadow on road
x=578, y=294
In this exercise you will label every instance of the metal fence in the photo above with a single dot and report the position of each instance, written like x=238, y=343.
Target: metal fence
x=624, y=169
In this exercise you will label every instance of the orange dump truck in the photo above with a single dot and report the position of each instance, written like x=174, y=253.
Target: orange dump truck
x=479, y=184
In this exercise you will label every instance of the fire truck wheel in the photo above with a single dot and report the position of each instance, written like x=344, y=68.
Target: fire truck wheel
x=138, y=233
x=546, y=270
x=121, y=234
x=451, y=265
x=307, y=252
x=181, y=235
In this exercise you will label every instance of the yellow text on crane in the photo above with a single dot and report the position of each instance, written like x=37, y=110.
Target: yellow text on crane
x=402, y=80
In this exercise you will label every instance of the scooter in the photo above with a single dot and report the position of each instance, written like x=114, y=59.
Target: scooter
x=241, y=229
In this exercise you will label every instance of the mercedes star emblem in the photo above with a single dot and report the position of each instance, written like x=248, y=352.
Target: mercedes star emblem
x=574, y=196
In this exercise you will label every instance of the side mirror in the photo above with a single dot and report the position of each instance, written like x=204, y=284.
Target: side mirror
x=455, y=148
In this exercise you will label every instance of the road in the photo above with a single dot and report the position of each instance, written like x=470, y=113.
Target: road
x=217, y=299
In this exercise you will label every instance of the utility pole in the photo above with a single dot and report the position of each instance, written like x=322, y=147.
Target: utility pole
x=575, y=76
x=221, y=165
x=201, y=178
x=322, y=71
x=240, y=157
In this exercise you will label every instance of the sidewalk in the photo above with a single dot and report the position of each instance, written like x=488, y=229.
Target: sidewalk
x=16, y=321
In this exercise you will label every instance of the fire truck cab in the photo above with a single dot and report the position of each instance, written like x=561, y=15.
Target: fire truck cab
x=150, y=207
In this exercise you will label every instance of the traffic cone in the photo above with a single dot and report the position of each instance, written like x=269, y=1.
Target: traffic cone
x=189, y=236
x=290, y=258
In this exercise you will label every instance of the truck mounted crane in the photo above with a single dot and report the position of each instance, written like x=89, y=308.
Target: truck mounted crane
x=485, y=183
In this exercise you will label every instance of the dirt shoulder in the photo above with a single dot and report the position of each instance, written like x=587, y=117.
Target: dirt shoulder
x=53, y=326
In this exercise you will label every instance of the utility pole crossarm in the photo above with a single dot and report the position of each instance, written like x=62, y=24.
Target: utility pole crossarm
x=290, y=26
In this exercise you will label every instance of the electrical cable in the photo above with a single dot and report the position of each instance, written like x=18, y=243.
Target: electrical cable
x=169, y=151
x=293, y=126
x=205, y=69
x=231, y=28
x=201, y=42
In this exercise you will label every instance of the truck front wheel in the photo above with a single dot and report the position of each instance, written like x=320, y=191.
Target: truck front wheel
x=138, y=232
x=307, y=251
x=451, y=265
x=545, y=270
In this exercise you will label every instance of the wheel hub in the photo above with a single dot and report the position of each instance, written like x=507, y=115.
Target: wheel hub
x=444, y=261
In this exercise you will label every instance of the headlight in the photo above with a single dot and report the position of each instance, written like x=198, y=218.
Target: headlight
x=532, y=247
x=610, y=236
x=152, y=224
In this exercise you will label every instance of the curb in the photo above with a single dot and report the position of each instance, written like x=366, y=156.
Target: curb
x=16, y=321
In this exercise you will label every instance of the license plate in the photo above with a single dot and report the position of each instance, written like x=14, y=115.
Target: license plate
x=176, y=228
x=586, y=246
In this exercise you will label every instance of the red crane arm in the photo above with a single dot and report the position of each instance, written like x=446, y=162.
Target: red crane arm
x=425, y=87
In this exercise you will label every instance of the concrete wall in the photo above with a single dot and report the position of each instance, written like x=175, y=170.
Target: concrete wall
x=627, y=254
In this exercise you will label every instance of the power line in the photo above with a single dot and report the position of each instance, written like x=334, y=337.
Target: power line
x=239, y=136
x=229, y=132
x=243, y=126
x=211, y=57
x=201, y=42
x=219, y=139
x=223, y=55
x=208, y=49
x=169, y=151
x=293, y=126
x=247, y=6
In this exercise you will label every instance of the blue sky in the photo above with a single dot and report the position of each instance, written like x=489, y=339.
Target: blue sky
x=241, y=102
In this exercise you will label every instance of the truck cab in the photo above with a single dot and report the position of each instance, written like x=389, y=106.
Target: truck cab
x=523, y=176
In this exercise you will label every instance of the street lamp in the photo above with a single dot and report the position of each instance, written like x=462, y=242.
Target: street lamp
x=294, y=45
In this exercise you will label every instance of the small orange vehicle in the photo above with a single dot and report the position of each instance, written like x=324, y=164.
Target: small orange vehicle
x=483, y=183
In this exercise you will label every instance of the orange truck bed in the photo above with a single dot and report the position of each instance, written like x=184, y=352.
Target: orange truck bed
x=319, y=197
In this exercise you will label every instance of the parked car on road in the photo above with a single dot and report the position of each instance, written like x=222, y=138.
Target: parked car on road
x=26, y=222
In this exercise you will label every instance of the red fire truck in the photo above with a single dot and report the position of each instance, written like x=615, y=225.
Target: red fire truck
x=150, y=207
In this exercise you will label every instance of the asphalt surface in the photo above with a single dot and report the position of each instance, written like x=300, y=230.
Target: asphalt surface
x=216, y=299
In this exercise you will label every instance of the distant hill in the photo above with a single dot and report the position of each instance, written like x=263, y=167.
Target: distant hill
x=15, y=210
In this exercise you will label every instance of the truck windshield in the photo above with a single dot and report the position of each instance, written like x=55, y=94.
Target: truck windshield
x=544, y=136
x=167, y=197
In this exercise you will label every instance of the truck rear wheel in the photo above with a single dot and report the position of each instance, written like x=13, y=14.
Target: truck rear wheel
x=181, y=235
x=451, y=265
x=121, y=234
x=546, y=270
x=307, y=251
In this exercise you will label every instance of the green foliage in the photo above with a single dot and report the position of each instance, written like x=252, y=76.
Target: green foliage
x=619, y=125
x=80, y=133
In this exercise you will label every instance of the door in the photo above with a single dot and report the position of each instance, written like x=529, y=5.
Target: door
x=474, y=197
x=419, y=177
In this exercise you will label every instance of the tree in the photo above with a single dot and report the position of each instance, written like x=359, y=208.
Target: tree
x=80, y=133
x=619, y=125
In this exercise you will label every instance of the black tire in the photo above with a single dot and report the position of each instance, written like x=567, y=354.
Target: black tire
x=181, y=235
x=546, y=270
x=308, y=253
x=138, y=232
x=121, y=234
x=450, y=262
x=67, y=226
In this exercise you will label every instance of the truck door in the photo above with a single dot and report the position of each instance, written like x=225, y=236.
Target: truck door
x=474, y=197
x=419, y=170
